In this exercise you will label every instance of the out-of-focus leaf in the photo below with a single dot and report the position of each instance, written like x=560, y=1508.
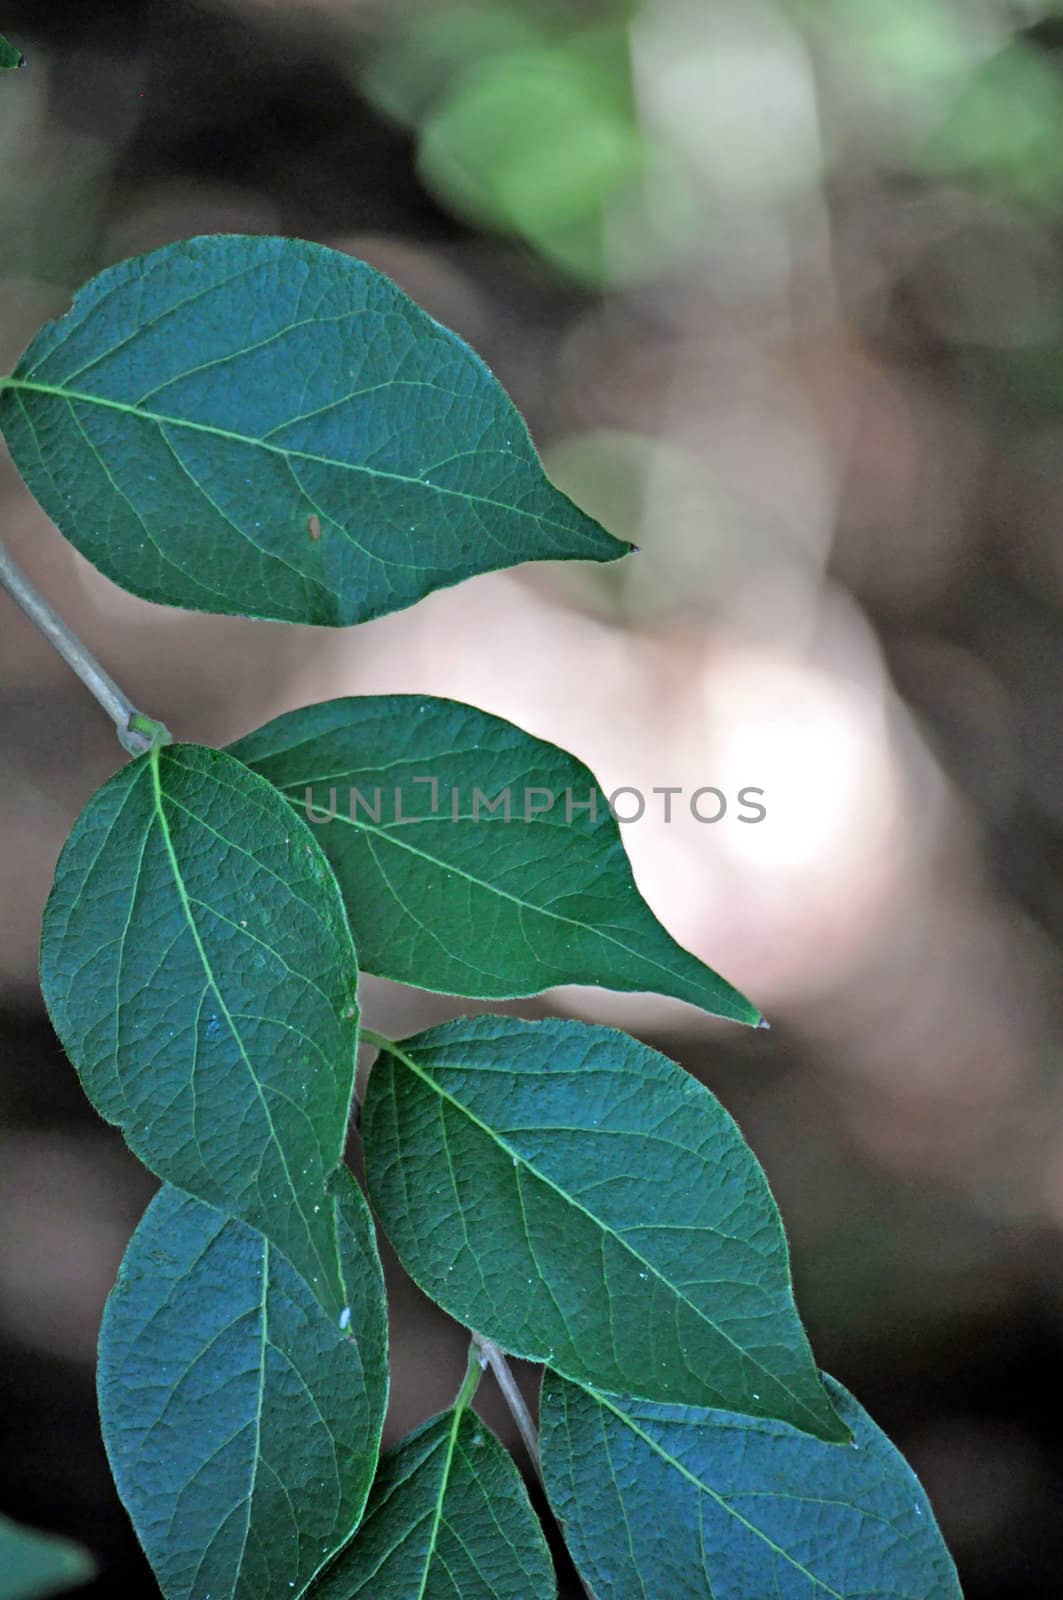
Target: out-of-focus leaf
x=1004, y=129
x=35, y=1565
x=546, y=144
x=410, y=67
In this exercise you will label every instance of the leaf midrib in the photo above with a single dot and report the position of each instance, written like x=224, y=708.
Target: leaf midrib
x=161, y=420
x=183, y=897
x=706, y=1489
x=437, y=1510
x=523, y=905
x=259, y=1403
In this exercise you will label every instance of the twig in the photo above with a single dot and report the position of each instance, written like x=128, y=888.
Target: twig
x=491, y=1356
x=136, y=732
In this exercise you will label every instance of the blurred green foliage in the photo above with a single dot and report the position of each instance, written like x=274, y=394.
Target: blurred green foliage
x=54, y=182
x=528, y=121
x=1004, y=130
x=977, y=90
x=616, y=476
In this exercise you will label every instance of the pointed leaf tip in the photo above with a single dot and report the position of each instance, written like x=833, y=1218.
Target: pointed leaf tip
x=515, y=878
x=448, y=1516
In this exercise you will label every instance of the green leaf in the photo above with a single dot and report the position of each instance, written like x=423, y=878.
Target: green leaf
x=664, y=1500
x=32, y=1564
x=9, y=59
x=241, y=1421
x=198, y=966
x=481, y=905
x=264, y=426
x=579, y=1199
x=448, y=1519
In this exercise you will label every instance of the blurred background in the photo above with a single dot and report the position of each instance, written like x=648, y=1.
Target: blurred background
x=779, y=286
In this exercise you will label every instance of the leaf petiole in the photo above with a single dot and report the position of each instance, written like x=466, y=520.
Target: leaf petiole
x=491, y=1356
x=471, y=1381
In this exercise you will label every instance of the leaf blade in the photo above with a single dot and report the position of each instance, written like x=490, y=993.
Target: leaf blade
x=578, y=1199
x=214, y=1355
x=266, y=427
x=198, y=967
x=448, y=1519
x=704, y=1503
x=484, y=906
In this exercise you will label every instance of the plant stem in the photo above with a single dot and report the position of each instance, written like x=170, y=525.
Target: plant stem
x=376, y=1040
x=491, y=1356
x=471, y=1381
x=136, y=732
